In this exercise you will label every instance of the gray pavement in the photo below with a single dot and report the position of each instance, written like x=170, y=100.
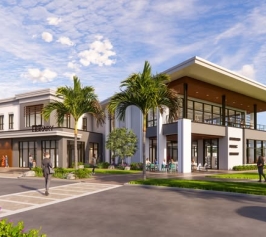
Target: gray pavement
x=151, y=211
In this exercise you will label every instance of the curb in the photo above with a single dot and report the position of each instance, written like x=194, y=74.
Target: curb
x=259, y=197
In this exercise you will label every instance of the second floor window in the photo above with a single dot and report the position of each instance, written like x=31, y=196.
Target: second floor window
x=33, y=115
x=1, y=122
x=67, y=121
x=84, y=124
x=11, y=121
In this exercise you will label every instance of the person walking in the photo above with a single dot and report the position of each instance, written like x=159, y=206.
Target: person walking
x=260, y=164
x=94, y=161
x=46, y=164
x=6, y=160
x=30, y=162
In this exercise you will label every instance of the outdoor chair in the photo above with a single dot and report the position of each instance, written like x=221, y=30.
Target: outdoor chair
x=172, y=168
x=164, y=167
x=204, y=168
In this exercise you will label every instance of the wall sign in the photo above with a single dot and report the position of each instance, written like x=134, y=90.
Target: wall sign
x=40, y=128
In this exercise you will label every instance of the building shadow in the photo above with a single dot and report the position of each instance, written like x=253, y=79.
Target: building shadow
x=253, y=212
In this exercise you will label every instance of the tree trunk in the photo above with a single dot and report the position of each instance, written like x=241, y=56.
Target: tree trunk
x=76, y=144
x=143, y=146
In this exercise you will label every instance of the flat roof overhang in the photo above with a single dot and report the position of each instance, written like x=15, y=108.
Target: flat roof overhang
x=220, y=77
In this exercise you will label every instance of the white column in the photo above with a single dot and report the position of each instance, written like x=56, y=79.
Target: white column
x=184, y=146
x=128, y=126
x=106, y=133
x=161, y=139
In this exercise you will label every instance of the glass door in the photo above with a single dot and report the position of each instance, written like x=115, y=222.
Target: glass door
x=211, y=153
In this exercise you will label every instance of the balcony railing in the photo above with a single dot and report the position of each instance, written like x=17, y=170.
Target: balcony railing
x=237, y=124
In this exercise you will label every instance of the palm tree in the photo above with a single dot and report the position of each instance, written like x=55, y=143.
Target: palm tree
x=147, y=92
x=75, y=101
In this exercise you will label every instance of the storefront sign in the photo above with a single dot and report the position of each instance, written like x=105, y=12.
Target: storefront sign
x=40, y=128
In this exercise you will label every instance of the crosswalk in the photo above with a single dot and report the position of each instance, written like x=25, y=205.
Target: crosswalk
x=24, y=201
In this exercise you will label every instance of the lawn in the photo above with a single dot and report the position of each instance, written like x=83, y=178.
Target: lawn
x=237, y=187
x=116, y=171
x=236, y=176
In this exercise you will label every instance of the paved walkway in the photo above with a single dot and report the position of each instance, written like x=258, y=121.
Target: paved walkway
x=24, y=201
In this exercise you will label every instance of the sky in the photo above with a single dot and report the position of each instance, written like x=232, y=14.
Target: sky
x=44, y=43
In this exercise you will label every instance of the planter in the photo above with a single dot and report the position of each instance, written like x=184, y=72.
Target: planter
x=81, y=166
x=127, y=168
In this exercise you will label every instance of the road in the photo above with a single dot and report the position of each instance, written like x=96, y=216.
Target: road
x=140, y=211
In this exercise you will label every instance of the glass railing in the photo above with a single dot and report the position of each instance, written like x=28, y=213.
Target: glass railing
x=237, y=123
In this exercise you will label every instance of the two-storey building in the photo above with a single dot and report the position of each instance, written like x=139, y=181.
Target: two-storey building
x=24, y=132
x=217, y=123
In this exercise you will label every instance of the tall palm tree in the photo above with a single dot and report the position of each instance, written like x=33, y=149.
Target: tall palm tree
x=74, y=101
x=147, y=92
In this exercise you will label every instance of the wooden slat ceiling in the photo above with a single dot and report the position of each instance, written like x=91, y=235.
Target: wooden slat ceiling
x=211, y=93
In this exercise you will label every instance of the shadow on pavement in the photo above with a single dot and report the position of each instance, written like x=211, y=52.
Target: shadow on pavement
x=31, y=188
x=253, y=212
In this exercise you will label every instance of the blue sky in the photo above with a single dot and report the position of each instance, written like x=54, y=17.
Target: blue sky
x=45, y=42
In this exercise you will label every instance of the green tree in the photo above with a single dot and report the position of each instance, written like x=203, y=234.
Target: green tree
x=75, y=101
x=147, y=92
x=122, y=143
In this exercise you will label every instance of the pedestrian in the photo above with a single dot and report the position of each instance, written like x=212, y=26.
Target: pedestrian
x=260, y=164
x=6, y=159
x=46, y=165
x=30, y=162
x=94, y=161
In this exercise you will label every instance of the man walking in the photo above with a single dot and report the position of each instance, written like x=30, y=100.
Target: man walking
x=46, y=163
x=260, y=164
x=94, y=159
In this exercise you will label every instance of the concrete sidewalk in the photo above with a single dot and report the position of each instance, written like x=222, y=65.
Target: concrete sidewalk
x=15, y=172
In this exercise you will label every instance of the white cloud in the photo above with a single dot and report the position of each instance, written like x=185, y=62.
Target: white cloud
x=54, y=20
x=65, y=40
x=247, y=71
x=99, y=53
x=73, y=65
x=69, y=75
x=46, y=36
x=36, y=75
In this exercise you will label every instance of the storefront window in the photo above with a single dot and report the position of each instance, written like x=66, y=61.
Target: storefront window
x=51, y=146
x=27, y=149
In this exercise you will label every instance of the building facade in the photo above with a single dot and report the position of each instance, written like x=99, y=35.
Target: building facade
x=24, y=133
x=217, y=124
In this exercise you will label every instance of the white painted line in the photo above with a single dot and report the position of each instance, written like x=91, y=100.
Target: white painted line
x=6, y=200
x=45, y=198
x=35, y=206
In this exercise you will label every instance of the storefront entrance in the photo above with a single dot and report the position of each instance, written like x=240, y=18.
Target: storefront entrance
x=211, y=153
x=71, y=153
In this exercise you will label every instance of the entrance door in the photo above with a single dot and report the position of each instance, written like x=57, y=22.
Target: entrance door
x=71, y=152
x=211, y=153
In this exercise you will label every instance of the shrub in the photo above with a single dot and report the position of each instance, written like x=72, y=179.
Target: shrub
x=38, y=171
x=103, y=165
x=8, y=229
x=61, y=173
x=246, y=167
x=81, y=173
x=136, y=166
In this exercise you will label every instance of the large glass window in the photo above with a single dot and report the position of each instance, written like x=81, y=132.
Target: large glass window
x=198, y=112
x=207, y=113
x=211, y=152
x=84, y=123
x=27, y=149
x=152, y=150
x=94, y=150
x=1, y=122
x=11, y=121
x=250, y=152
x=152, y=118
x=51, y=146
x=33, y=115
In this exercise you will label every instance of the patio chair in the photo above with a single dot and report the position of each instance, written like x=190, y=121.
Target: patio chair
x=204, y=168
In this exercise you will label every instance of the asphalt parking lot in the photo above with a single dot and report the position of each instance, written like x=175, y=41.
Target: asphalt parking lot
x=147, y=211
